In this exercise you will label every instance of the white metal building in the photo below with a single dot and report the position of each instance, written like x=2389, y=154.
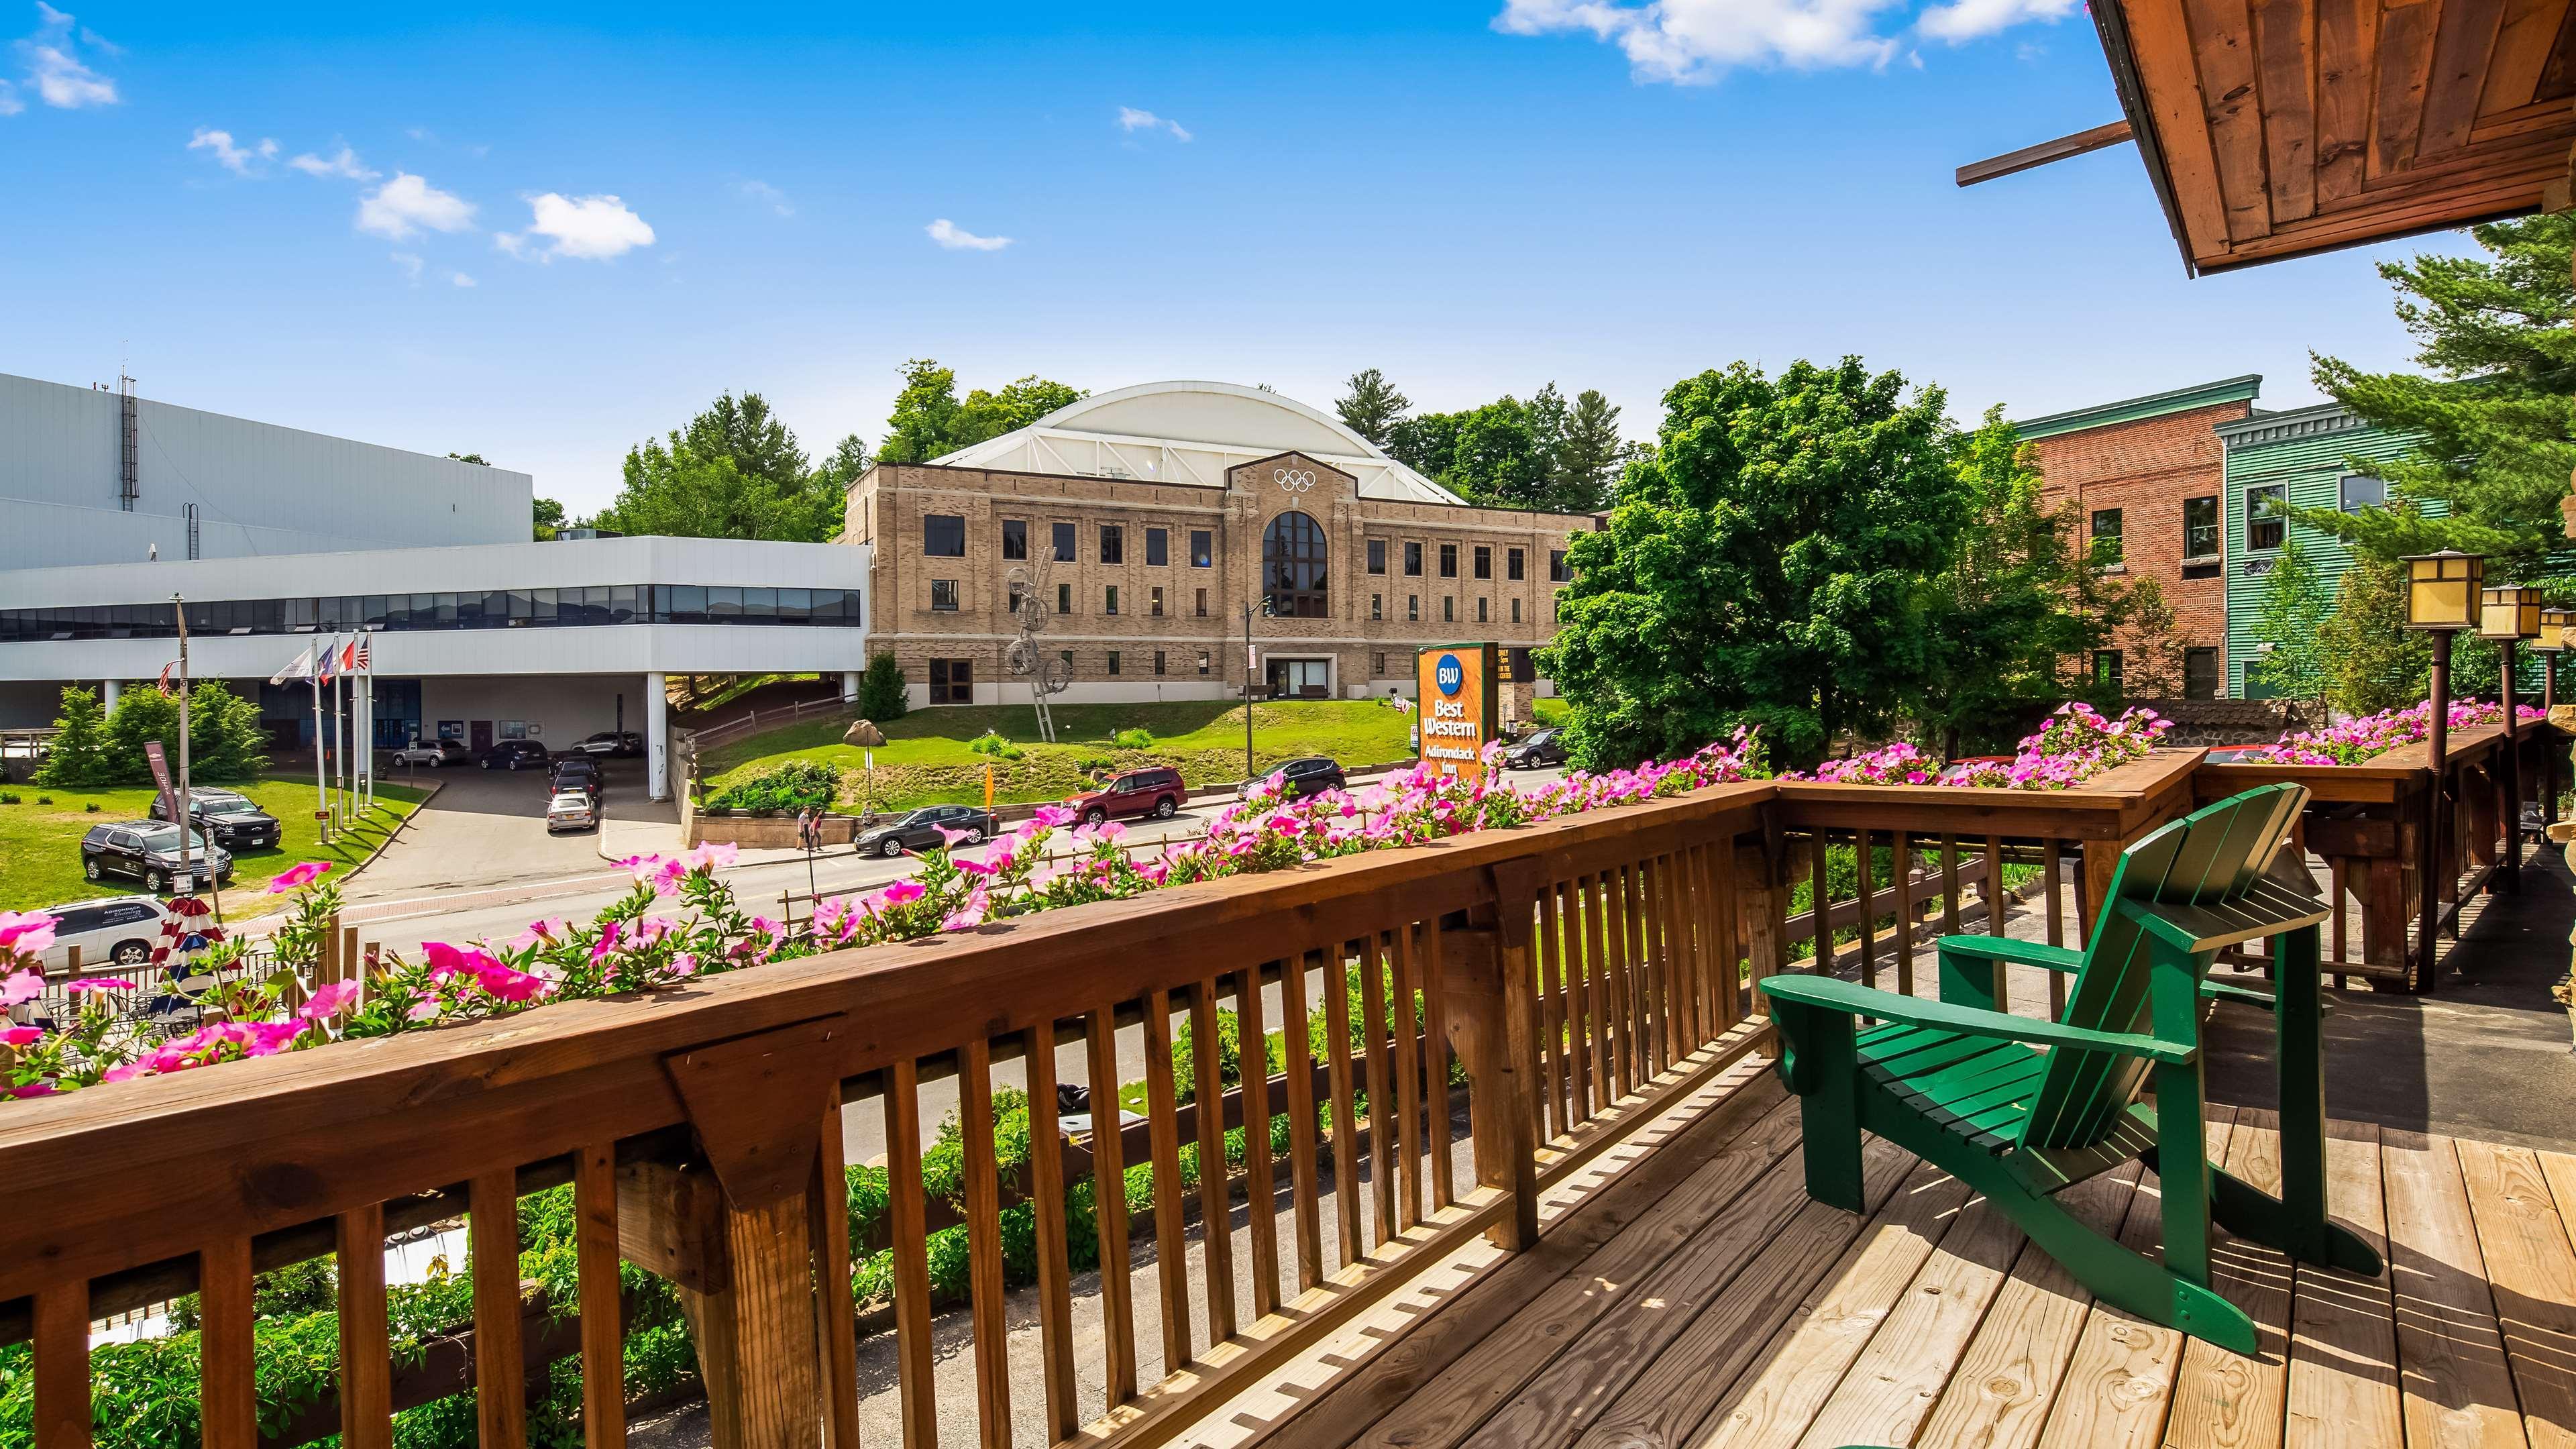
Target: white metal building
x=97, y=477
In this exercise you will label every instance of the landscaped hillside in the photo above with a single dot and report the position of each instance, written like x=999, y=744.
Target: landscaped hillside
x=926, y=758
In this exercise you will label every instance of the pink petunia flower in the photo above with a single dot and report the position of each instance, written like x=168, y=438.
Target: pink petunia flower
x=297, y=876
x=330, y=1000
x=19, y=1036
x=25, y=986
x=98, y=983
x=901, y=893
x=27, y=931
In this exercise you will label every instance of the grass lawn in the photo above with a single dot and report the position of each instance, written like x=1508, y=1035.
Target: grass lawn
x=40, y=843
x=925, y=760
x=1550, y=711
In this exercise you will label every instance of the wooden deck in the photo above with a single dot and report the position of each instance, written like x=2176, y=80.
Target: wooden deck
x=1695, y=1299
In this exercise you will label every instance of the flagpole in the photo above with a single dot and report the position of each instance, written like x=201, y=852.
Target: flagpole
x=321, y=790
x=340, y=754
x=366, y=744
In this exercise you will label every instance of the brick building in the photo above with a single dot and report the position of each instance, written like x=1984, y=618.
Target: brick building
x=2147, y=479
x=1146, y=519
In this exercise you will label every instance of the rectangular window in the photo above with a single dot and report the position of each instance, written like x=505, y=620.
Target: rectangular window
x=952, y=681
x=1480, y=610
x=2106, y=670
x=1557, y=573
x=1413, y=607
x=1113, y=661
x=1113, y=599
x=1113, y=544
x=1203, y=663
x=1484, y=562
x=943, y=595
x=1015, y=538
x=1158, y=549
x=2200, y=674
x=1448, y=608
x=1448, y=560
x=1516, y=611
x=2200, y=527
x=1067, y=656
x=943, y=535
x=1158, y=661
x=1377, y=607
x=1377, y=555
x=1019, y=593
x=1377, y=665
x=2264, y=526
x=2357, y=491
x=1412, y=560
x=1158, y=601
x=1064, y=598
x=1202, y=549
x=2106, y=537
x=1064, y=544
x=1202, y=603
x=1515, y=567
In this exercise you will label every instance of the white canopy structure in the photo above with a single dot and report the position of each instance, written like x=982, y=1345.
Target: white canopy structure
x=1191, y=432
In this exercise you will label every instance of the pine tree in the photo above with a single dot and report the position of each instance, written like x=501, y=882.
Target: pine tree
x=2373, y=661
x=78, y=754
x=881, y=689
x=1588, y=460
x=2495, y=412
x=1372, y=407
x=2290, y=616
x=2154, y=652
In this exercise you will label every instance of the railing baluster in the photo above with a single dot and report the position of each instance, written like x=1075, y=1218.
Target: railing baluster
x=1299, y=1054
x=1552, y=1018
x=1163, y=1124
x=1868, y=918
x=1995, y=916
x=1654, y=995
x=1346, y=1152
x=366, y=1361
x=1699, y=939
x=1903, y=860
x=1949, y=885
x=984, y=1242
x=1046, y=1196
x=1568, y=934
x=62, y=1367
x=1381, y=1093
x=1819, y=903
x=1435, y=1065
x=603, y=1331
x=1682, y=948
x=1406, y=1052
x=500, y=1370
x=827, y=1205
x=1109, y=1203
x=908, y=1222
x=1216, y=1217
x=1263, y=1197
x=228, y=1396
x=1609, y=996
x=1627, y=949
x=2050, y=870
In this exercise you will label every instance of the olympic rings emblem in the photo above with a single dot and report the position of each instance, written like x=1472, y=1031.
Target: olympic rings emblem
x=1295, y=480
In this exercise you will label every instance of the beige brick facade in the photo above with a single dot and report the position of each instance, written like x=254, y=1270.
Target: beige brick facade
x=938, y=610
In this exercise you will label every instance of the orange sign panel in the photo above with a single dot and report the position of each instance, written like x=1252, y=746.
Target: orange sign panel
x=1454, y=683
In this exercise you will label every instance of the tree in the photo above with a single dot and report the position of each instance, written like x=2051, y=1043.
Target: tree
x=1498, y=459
x=2013, y=602
x=1425, y=442
x=2497, y=344
x=1372, y=406
x=2373, y=661
x=78, y=754
x=1541, y=454
x=1772, y=565
x=2155, y=653
x=917, y=429
x=548, y=517
x=991, y=414
x=881, y=689
x=2290, y=616
x=475, y=458
x=1590, y=457
x=734, y=472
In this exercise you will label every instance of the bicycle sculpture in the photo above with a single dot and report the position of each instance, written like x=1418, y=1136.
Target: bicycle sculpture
x=1046, y=673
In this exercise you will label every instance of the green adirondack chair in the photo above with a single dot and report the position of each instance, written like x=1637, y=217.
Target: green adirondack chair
x=2021, y=1109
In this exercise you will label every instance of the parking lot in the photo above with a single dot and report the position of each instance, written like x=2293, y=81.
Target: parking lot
x=487, y=828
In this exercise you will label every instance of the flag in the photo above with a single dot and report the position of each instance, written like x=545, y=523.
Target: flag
x=163, y=683
x=300, y=667
x=363, y=662
x=349, y=656
x=322, y=670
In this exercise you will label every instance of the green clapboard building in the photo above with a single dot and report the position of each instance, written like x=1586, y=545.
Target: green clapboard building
x=2304, y=457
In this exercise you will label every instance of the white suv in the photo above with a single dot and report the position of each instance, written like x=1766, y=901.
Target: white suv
x=117, y=931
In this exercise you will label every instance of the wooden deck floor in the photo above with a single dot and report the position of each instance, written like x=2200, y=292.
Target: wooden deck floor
x=1697, y=1300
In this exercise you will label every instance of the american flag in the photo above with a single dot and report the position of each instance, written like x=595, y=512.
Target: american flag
x=360, y=657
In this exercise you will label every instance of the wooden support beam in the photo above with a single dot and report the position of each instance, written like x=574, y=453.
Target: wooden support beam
x=2032, y=157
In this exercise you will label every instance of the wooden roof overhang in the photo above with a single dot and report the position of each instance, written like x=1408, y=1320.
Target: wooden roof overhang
x=2282, y=128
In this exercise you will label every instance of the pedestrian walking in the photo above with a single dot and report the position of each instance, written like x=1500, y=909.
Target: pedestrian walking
x=805, y=827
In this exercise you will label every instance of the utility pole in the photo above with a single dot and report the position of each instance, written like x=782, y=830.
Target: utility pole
x=1247, y=693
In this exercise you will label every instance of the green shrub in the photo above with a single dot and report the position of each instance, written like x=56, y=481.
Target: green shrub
x=1095, y=764
x=789, y=785
x=1138, y=738
x=8, y=798
x=91, y=807
x=881, y=689
x=991, y=743
x=78, y=754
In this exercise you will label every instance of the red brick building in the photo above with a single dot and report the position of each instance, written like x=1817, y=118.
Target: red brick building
x=2146, y=477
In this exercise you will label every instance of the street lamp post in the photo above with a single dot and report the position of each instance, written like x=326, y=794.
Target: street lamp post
x=2441, y=599
x=2506, y=615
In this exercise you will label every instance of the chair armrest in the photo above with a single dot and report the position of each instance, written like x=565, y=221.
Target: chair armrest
x=2222, y=991
x=1826, y=993
x=2005, y=948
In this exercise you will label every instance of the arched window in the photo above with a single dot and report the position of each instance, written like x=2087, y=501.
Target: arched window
x=1292, y=567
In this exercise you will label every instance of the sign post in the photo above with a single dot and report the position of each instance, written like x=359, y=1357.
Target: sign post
x=1455, y=684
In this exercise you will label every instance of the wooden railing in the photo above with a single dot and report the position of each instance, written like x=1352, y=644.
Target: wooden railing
x=1582, y=972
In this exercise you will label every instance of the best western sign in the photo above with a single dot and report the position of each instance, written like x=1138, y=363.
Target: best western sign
x=1455, y=685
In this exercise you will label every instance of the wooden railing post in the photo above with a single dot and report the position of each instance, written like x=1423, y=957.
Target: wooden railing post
x=1491, y=983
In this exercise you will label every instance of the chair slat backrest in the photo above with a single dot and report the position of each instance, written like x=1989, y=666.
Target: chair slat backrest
x=2208, y=858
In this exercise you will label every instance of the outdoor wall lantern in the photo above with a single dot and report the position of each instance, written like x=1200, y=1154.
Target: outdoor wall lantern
x=2511, y=612
x=2442, y=590
x=2506, y=615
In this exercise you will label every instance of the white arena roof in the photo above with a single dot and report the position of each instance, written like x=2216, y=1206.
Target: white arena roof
x=1190, y=433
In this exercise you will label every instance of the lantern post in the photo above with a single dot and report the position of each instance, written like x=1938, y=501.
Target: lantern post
x=2506, y=615
x=2441, y=599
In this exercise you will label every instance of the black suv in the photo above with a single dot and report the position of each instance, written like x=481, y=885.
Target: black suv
x=148, y=850
x=1309, y=776
x=229, y=817
x=1547, y=747
x=920, y=830
x=516, y=755
x=577, y=772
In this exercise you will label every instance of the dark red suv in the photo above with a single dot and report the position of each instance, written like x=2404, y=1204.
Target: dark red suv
x=1155, y=791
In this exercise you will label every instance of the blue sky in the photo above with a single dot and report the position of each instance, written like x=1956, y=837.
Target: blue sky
x=654, y=205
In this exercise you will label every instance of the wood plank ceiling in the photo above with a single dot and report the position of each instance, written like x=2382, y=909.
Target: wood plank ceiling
x=2280, y=128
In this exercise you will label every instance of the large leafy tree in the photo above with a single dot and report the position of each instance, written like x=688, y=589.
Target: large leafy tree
x=929, y=419
x=1372, y=406
x=2495, y=403
x=2013, y=602
x=2373, y=661
x=1544, y=453
x=1773, y=563
x=2290, y=614
x=734, y=472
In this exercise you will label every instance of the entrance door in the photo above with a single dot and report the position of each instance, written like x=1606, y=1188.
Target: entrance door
x=482, y=740
x=1300, y=678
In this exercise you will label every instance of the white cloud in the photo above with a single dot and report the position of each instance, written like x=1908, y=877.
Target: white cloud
x=343, y=163
x=957, y=239
x=460, y=279
x=768, y=195
x=584, y=228
x=398, y=209
x=235, y=159
x=1965, y=20
x=410, y=265
x=1132, y=119
x=10, y=105
x=54, y=68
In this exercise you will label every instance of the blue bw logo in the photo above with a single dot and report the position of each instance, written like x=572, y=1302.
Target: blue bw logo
x=1449, y=674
